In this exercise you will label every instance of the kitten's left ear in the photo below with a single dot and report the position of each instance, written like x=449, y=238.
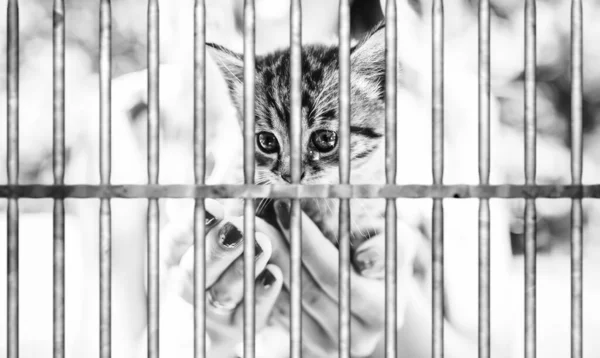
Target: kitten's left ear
x=368, y=56
x=230, y=63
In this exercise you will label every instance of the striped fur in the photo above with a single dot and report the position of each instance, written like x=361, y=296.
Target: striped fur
x=320, y=82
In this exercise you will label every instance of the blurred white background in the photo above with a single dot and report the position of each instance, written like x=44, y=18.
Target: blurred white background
x=224, y=27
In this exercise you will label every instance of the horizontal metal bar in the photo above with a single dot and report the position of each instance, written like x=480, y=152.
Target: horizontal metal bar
x=340, y=191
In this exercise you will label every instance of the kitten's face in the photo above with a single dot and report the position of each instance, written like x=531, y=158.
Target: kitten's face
x=320, y=122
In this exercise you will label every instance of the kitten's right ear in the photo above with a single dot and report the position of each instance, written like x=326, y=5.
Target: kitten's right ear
x=230, y=63
x=368, y=56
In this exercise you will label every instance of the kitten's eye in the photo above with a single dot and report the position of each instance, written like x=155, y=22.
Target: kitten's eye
x=267, y=142
x=324, y=140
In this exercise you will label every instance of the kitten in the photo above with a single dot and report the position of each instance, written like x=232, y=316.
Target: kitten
x=320, y=124
x=320, y=154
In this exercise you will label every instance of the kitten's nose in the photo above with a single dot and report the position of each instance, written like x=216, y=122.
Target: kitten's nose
x=288, y=177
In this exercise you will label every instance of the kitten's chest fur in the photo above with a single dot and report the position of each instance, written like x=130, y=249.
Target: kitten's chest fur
x=366, y=218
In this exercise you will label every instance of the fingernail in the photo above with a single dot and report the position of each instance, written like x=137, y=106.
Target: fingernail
x=283, y=212
x=230, y=236
x=369, y=261
x=257, y=249
x=209, y=219
x=266, y=278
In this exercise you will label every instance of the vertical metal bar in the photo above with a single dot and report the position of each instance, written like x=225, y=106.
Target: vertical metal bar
x=484, y=175
x=249, y=71
x=12, y=168
x=344, y=152
x=59, y=174
x=576, y=171
x=199, y=177
x=530, y=178
x=153, y=168
x=105, y=174
x=437, y=252
x=390, y=178
x=296, y=176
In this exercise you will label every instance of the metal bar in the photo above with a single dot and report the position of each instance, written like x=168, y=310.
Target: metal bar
x=153, y=170
x=344, y=171
x=576, y=172
x=437, y=252
x=390, y=178
x=530, y=178
x=484, y=175
x=105, y=176
x=199, y=177
x=296, y=177
x=343, y=191
x=12, y=168
x=58, y=42
x=249, y=218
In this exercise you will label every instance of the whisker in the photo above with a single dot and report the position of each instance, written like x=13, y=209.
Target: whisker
x=258, y=208
x=362, y=206
x=263, y=205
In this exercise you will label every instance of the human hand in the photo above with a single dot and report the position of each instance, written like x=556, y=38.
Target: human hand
x=320, y=295
x=224, y=275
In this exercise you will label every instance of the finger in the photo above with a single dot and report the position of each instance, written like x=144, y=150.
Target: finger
x=321, y=259
x=316, y=340
x=325, y=311
x=274, y=340
x=369, y=257
x=178, y=233
x=223, y=246
x=229, y=288
x=267, y=288
x=317, y=251
x=268, y=285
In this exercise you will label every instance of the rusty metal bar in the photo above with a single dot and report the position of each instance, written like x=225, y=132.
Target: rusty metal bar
x=576, y=172
x=12, y=168
x=199, y=177
x=105, y=175
x=484, y=175
x=391, y=303
x=251, y=191
x=530, y=178
x=296, y=177
x=153, y=170
x=344, y=172
x=249, y=218
x=58, y=42
x=437, y=251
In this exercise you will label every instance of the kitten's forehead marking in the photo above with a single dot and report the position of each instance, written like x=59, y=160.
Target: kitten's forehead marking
x=318, y=99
